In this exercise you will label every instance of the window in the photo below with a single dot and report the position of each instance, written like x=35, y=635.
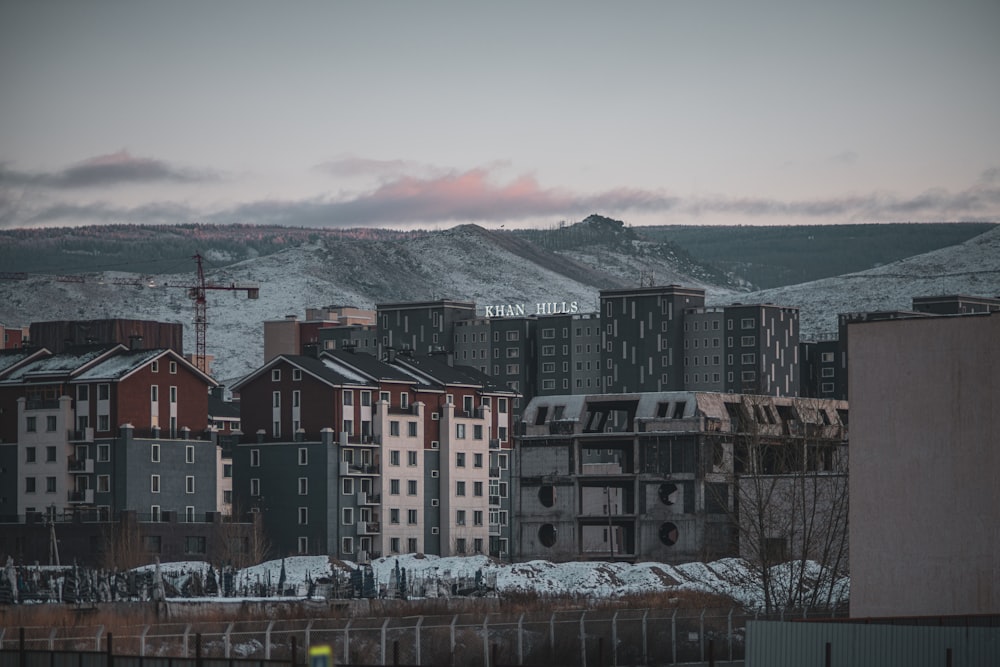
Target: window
x=189, y=484
x=347, y=515
x=460, y=545
x=748, y=376
x=276, y=399
x=154, y=453
x=104, y=453
x=477, y=518
x=29, y=484
x=227, y=497
x=548, y=384
x=303, y=545
x=394, y=545
x=411, y=458
x=394, y=428
x=827, y=372
x=826, y=387
x=460, y=518
x=748, y=341
x=404, y=401
x=366, y=399
x=748, y=358
x=477, y=489
x=29, y=455
x=477, y=431
x=394, y=457
x=254, y=486
x=460, y=459
x=477, y=460
x=275, y=375
x=826, y=357
x=460, y=431
x=189, y=453
x=348, y=397
x=460, y=488
x=548, y=333
x=747, y=323
x=303, y=456
x=103, y=483
x=154, y=483
x=411, y=517
x=303, y=486
x=103, y=392
x=411, y=429
x=50, y=485
x=501, y=405
x=50, y=423
x=347, y=545
x=411, y=487
x=296, y=374
x=347, y=486
x=394, y=487
x=296, y=398
x=254, y=458
x=548, y=350
x=31, y=424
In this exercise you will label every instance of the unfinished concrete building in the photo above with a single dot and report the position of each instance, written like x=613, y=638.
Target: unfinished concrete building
x=675, y=476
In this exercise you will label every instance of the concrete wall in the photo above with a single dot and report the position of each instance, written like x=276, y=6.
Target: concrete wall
x=924, y=482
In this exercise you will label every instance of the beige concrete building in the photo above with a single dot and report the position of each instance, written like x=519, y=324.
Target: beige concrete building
x=925, y=466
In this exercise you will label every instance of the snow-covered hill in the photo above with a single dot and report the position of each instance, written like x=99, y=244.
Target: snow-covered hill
x=470, y=263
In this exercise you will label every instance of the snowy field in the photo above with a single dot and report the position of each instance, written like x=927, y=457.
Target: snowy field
x=433, y=576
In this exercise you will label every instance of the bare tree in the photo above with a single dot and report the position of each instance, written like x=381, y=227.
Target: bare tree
x=123, y=544
x=243, y=541
x=790, y=496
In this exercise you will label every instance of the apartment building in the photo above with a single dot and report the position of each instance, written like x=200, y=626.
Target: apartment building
x=421, y=327
x=762, y=349
x=643, y=337
x=332, y=323
x=12, y=338
x=349, y=455
x=662, y=476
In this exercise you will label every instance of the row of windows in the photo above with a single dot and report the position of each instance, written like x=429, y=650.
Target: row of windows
x=154, y=453
x=154, y=484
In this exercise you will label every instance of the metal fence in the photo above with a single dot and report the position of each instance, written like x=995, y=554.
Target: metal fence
x=565, y=637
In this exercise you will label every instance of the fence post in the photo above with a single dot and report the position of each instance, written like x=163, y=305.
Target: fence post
x=22, y=655
x=701, y=635
x=227, y=641
x=187, y=631
x=673, y=635
x=142, y=640
x=97, y=637
x=614, y=639
x=308, y=634
x=197, y=649
x=552, y=636
x=347, y=642
x=111, y=651
x=486, y=640
x=384, y=624
x=729, y=631
x=267, y=641
x=583, y=640
x=52, y=639
x=645, y=644
x=453, y=621
x=420, y=622
x=520, y=639
x=294, y=647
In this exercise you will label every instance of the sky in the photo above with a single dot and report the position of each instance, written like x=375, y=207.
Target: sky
x=430, y=114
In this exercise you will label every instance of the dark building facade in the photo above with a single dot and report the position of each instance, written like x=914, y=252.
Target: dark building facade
x=57, y=336
x=421, y=327
x=762, y=349
x=643, y=337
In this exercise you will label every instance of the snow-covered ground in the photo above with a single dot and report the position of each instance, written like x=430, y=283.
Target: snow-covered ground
x=433, y=576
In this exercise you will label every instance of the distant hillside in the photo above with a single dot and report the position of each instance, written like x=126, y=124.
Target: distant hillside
x=775, y=256
x=467, y=262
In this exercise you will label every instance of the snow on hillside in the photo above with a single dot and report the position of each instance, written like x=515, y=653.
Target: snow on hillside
x=730, y=577
x=971, y=268
x=464, y=263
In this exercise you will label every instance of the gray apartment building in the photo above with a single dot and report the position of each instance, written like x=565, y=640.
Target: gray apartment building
x=762, y=349
x=704, y=349
x=643, y=337
x=423, y=327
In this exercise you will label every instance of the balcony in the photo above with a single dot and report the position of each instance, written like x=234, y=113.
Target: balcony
x=86, y=496
x=358, y=468
x=82, y=435
x=368, y=528
x=494, y=443
x=42, y=404
x=366, y=498
x=495, y=472
x=80, y=466
x=494, y=529
x=495, y=501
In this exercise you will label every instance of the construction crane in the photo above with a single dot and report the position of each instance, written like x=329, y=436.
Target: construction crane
x=197, y=292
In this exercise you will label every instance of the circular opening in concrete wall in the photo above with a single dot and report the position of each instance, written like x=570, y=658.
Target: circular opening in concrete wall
x=547, y=495
x=547, y=535
x=668, y=534
x=667, y=489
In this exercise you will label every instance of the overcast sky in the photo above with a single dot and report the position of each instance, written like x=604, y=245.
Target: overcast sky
x=428, y=114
